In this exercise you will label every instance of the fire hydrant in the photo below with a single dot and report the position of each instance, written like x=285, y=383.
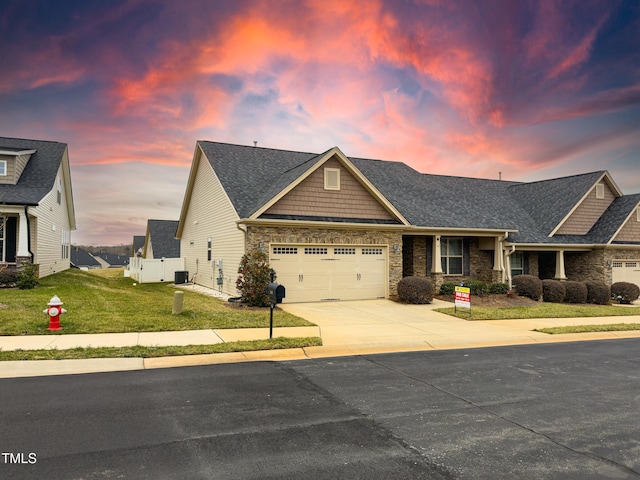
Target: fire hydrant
x=54, y=311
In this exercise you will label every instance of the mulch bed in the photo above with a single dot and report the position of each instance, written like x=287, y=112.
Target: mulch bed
x=494, y=301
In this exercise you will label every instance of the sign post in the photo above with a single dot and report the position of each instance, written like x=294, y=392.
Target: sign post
x=462, y=298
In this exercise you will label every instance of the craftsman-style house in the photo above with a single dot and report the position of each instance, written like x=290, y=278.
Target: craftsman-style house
x=36, y=205
x=336, y=227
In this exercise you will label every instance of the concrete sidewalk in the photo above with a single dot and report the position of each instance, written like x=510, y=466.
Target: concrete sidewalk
x=346, y=328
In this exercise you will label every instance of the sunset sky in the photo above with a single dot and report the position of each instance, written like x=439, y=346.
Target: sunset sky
x=532, y=89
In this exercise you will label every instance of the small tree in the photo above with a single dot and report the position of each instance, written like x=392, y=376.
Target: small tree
x=253, y=278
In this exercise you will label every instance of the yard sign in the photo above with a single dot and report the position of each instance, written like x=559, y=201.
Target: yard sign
x=462, y=298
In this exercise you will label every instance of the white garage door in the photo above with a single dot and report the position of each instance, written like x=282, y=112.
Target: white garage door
x=312, y=273
x=626, y=271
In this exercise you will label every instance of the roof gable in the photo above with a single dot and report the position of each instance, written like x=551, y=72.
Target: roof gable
x=161, y=237
x=39, y=174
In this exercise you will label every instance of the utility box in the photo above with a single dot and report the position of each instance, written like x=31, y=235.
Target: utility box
x=276, y=293
x=181, y=277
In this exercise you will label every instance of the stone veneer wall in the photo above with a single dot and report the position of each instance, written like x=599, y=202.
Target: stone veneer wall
x=420, y=256
x=267, y=235
x=585, y=266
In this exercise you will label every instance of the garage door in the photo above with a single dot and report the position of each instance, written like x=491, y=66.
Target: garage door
x=626, y=271
x=312, y=273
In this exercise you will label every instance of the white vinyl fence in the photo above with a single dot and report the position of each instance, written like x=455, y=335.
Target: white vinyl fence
x=146, y=270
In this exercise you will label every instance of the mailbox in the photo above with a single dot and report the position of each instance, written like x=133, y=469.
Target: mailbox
x=275, y=291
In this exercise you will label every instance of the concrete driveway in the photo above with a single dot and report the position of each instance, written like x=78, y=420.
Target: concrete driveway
x=384, y=325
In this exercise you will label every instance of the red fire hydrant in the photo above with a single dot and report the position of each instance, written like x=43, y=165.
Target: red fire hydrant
x=54, y=311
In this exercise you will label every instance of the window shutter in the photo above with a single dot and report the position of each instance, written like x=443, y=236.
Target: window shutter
x=10, y=240
x=429, y=241
x=466, y=261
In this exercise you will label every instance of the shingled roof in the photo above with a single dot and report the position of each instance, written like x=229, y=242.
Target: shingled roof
x=162, y=234
x=39, y=175
x=252, y=176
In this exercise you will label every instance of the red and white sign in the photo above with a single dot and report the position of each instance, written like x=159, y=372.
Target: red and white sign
x=462, y=297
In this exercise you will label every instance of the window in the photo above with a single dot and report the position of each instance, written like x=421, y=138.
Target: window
x=332, y=179
x=3, y=168
x=66, y=237
x=209, y=249
x=315, y=250
x=285, y=250
x=344, y=251
x=517, y=264
x=372, y=251
x=451, y=256
x=600, y=191
x=59, y=187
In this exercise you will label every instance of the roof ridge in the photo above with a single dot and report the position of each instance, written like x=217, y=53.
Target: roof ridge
x=563, y=178
x=256, y=147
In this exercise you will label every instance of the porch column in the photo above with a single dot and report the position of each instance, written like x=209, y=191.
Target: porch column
x=560, y=273
x=498, y=262
x=23, y=237
x=436, y=262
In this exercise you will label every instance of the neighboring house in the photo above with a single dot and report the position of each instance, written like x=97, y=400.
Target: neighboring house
x=36, y=205
x=109, y=260
x=138, y=245
x=160, y=241
x=83, y=260
x=349, y=228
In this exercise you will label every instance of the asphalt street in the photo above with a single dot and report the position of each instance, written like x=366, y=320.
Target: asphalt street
x=551, y=411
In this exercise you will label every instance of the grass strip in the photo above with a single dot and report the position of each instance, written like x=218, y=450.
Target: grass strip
x=138, y=351
x=614, y=327
x=544, y=310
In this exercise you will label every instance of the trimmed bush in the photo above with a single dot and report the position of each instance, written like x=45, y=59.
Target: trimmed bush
x=477, y=287
x=625, y=292
x=598, y=293
x=447, y=288
x=29, y=277
x=575, y=292
x=528, y=286
x=415, y=290
x=498, y=288
x=553, y=291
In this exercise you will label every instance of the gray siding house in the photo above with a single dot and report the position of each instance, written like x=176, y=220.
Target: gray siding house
x=336, y=227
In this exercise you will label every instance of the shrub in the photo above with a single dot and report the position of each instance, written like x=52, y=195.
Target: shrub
x=498, y=288
x=598, y=293
x=528, y=286
x=415, y=290
x=29, y=277
x=253, y=278
x=553, y=291
x=447, y=288
x=625, y=292
x=477, y=287
x=576, y=292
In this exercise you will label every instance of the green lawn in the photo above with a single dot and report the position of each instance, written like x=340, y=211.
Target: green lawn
x=150, y=352
x=104, y=301
x=543, y=310
x=613, y=327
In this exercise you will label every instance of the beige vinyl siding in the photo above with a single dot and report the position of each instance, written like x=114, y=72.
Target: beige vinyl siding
x=588, y=212
x=200, y=223
x=630, y=232
x=149, y=252
x=9, y=178
x=52, y=220
x=310, y=198
x=15, y=166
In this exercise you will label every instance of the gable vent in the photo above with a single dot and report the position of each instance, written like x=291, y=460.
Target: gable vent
x=600, y=191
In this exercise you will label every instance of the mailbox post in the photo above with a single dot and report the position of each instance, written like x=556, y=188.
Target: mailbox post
x=276, y=293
